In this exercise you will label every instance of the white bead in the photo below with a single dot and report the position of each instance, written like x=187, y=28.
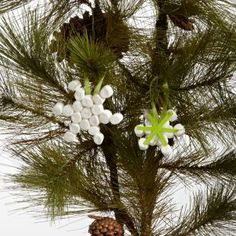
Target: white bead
x=106, y=91
x=141, y=144
x=74, y=128
x=105, y=116
x=58, y=109
x=141, y=117
x=94, y=120
x=68, y=110
x=147, y=132
x=174, y=116
x=94, y=130
x=67, y=122
x=147, y=122
x=86, y=113
x=166, y=150
x=98, y=138
x=77, y=106
x=168, y=135
x=167, y=125
x=76, y=117
x=84, y=125
x=97, y=109
x=74, y=84
x=181, y=129
x=154, y=141
x=79, y=94
x=139, y=133
x=116, y=118
x=87, y=101
x=98, y=100
x=70, y=137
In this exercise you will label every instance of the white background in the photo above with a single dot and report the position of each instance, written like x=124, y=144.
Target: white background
x=15, y=222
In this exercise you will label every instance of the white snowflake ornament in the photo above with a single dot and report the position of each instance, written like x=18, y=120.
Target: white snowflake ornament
x=87, y=111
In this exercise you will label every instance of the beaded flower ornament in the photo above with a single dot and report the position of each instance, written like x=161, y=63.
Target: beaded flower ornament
x=157, y=131
x=87, y=111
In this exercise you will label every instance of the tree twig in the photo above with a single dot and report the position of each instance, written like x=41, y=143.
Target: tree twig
x=121, y=213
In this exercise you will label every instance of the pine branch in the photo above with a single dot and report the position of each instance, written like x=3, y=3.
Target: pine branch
x=223, y=167
x=209, y=82
x=135, y=81
x=15, y=104
x=21, y=51
x=63, y=183
x=218, y=217
x=7, y=5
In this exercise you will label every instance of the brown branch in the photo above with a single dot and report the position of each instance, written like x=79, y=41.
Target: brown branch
x=121, y=213
x=161, y=50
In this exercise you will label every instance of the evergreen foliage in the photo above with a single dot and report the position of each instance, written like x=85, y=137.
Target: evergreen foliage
x=159, y=63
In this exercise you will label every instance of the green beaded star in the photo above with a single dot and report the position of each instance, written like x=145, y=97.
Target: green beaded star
x=157, y=128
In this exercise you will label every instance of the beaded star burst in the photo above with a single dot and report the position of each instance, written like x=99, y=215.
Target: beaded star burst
x=157, y=131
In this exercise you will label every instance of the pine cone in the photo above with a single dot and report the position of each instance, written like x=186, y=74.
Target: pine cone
x=182, y=22
x=116, y=36
x=106, y=227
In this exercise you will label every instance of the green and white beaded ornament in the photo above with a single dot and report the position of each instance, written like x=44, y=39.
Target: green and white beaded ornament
x=157, y=130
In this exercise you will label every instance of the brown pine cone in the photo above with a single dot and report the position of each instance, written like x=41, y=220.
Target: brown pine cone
x=182, y=22
x=109, y=29
x=106, y=227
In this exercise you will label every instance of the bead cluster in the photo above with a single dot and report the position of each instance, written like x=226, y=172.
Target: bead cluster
x=87, y=112
x=157, y=131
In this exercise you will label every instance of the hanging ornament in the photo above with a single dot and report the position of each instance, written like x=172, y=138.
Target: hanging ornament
x=105, y=226
x=87, y=111
x=157, y=130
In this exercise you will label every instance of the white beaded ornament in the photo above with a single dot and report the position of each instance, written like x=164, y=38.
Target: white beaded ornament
x=87, y=112
x=158, y=130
